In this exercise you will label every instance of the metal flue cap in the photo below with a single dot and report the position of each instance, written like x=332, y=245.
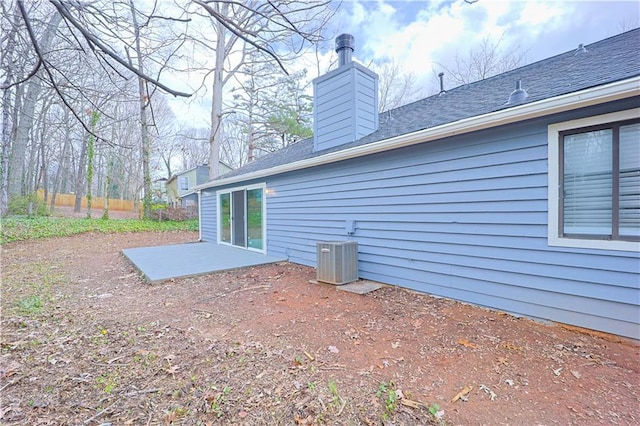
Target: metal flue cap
x=344, y=48
x=518, y=95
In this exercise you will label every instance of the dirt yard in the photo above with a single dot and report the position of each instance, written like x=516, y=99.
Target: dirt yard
x=86, y=341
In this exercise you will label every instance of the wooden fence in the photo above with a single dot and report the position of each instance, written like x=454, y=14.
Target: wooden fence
x=69, y=200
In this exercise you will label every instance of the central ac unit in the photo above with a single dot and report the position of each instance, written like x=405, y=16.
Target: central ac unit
x=337, y=262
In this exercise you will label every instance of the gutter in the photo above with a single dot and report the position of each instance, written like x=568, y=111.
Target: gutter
x=592, y=96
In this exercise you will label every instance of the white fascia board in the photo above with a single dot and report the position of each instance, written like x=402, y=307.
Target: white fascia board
x=597, y=95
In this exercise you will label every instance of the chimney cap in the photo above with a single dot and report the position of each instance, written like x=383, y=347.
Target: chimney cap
x=345, y=41
x=344, y=48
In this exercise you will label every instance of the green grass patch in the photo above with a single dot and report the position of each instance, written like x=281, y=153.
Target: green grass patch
x=23, y=228
x=30, y=305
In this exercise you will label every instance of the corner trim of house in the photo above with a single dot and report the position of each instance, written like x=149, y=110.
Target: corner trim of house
x=199, y=215
x=592, y=96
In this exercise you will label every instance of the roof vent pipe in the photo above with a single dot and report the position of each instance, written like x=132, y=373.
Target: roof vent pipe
x=344, y=48
x=441, y=77
x=580, y=49
x=518, y=95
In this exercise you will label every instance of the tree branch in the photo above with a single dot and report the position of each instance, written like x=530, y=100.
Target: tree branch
x=97, y=42
x=31, y=74
x=231, y=28
x=36, y=47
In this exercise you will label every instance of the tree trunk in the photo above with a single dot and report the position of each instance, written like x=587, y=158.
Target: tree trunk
x=29, y=177
x=216, y=100
x=91, y=153
x=43, y=174
x=19, y=148
x=82, y=161
x=6, y=120
x=144, y=127
x=61, y=164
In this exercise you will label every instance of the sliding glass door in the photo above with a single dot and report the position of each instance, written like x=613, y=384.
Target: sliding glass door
x=241, y=217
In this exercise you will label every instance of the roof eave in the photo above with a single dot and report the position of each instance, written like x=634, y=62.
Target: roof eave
x=587, y=97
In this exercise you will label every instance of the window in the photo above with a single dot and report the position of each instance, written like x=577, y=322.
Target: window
x=184, y=183
x=594, y=167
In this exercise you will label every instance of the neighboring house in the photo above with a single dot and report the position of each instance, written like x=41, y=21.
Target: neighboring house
x=180, y=187
x=526, y=201
x=159, y=190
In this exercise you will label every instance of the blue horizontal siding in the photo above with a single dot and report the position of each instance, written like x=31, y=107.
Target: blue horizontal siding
x=208, y=219
x=464, y=218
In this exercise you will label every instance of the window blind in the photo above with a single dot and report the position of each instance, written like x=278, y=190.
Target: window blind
x=588, y=183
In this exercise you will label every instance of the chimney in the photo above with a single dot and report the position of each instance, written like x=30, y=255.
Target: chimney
x=345, y=100
x=344, y=48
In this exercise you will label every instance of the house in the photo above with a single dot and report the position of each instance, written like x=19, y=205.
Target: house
x=520, y=192
x=159, y=190
x=180, y=186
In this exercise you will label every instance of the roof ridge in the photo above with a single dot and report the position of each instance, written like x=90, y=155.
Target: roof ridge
x=511, y=71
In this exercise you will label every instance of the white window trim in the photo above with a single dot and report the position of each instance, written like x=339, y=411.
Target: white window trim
x=262, y=186
x=553, y=135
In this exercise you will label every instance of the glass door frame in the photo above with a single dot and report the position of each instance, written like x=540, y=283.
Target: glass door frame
x=232, y=225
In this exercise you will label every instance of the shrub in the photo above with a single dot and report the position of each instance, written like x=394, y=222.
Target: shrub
x=19, y=205
x=175, y=213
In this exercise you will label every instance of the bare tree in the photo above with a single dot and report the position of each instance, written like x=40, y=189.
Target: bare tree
x=259, y=26
x=165, y=143
x=395, y=87
x=27, y=111
x=489, y=58
x=193, y=147
x=143, y=101
x=103, y=40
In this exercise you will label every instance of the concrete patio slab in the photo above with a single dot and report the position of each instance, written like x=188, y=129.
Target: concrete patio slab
x=162, y=263
x=360, y=287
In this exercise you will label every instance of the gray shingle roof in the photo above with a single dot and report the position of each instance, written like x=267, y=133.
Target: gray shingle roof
x=606, y=61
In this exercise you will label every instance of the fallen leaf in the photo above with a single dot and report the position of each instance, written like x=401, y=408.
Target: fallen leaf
x=467, y=344
x=170, y=418
x=491, y=393
x=410, y=403
x=510, y=346
x=9, y=369
x=172, y=370
x=464, y=392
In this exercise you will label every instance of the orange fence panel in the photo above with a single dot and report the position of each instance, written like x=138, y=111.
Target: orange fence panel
x=69, y=200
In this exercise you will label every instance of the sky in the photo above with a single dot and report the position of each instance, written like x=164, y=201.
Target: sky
x=418, y=34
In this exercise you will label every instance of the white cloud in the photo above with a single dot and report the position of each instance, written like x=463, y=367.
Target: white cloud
x=415, y=34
